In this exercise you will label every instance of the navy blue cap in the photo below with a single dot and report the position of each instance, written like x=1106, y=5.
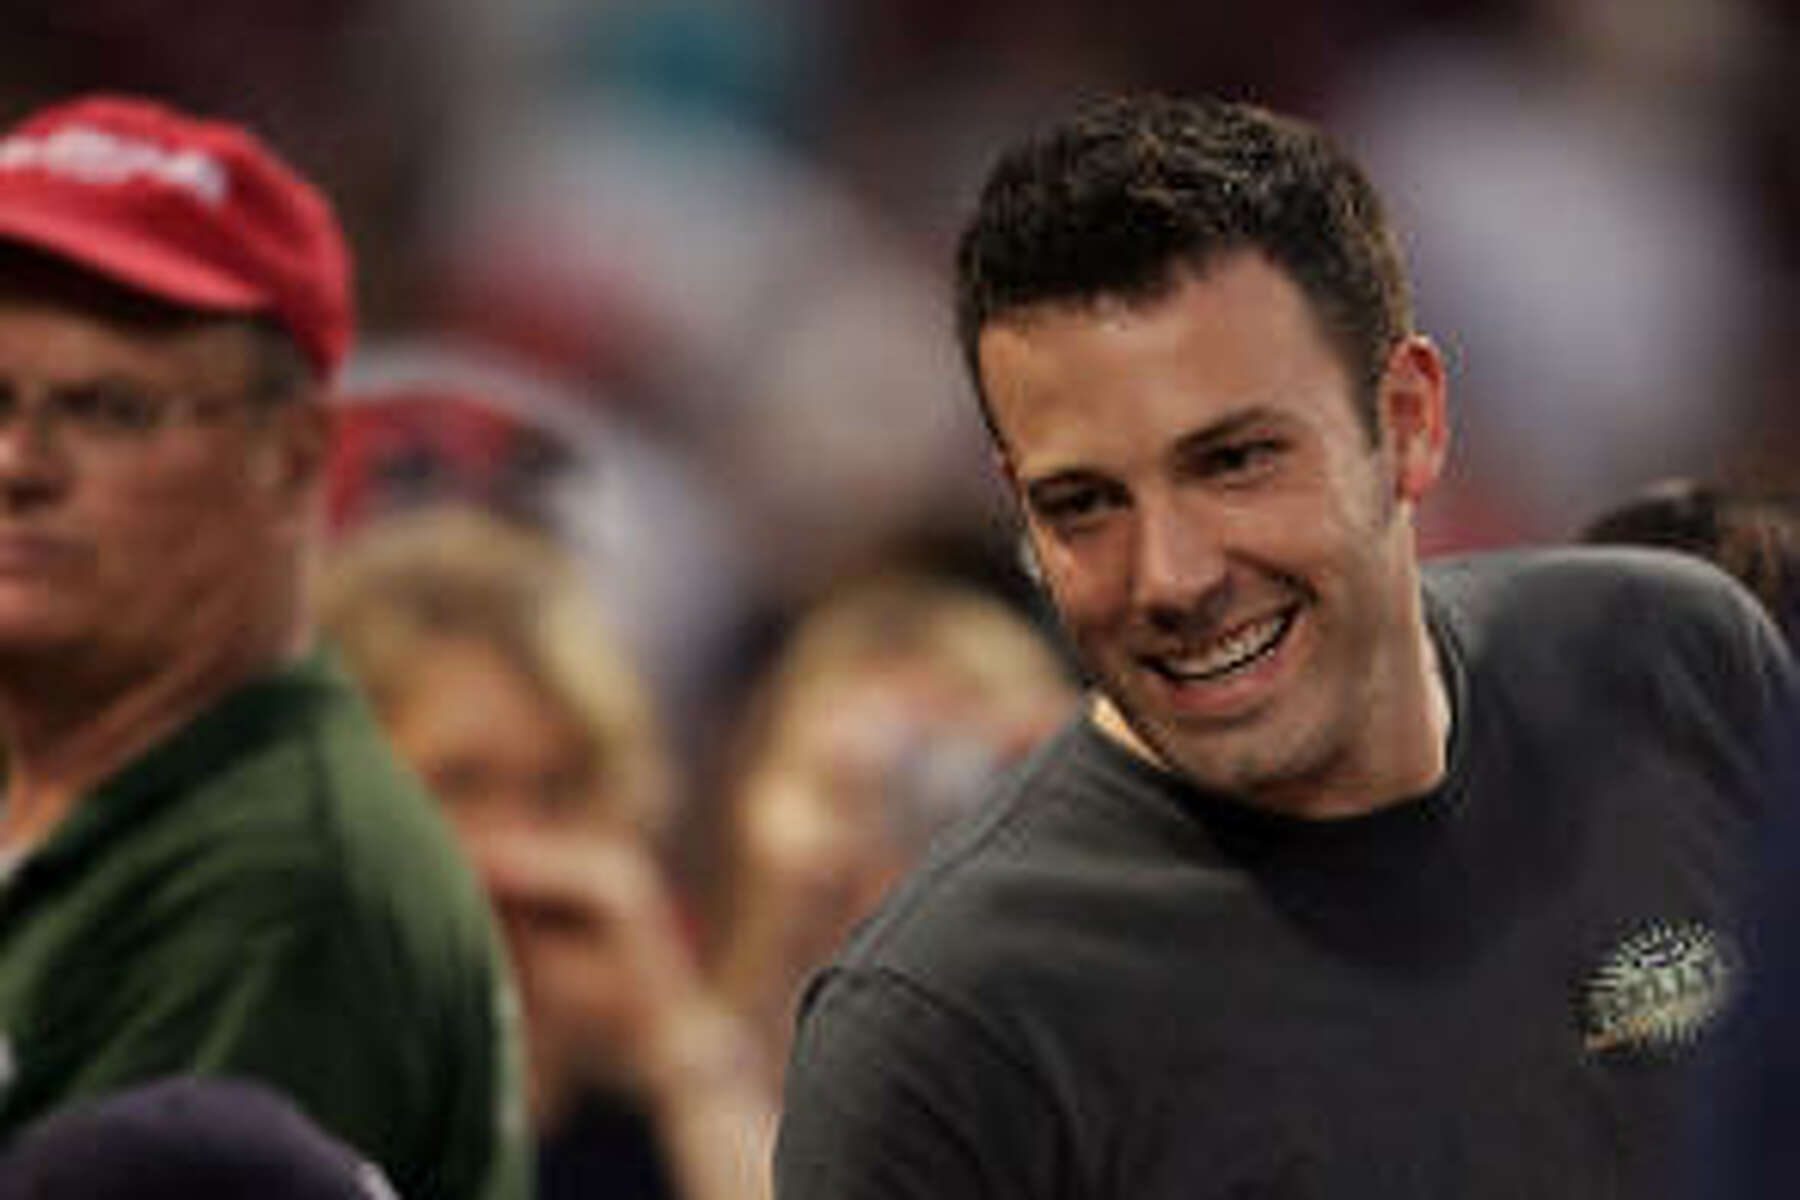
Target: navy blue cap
x=193, y=1137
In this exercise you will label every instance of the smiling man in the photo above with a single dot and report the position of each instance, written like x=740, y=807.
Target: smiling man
x=213, y=865
x=1357, y=878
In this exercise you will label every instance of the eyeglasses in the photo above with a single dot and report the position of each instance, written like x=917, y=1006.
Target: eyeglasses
x=106, y=413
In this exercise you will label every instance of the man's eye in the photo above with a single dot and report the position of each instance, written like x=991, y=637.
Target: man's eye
x=110, y=410
x=1069, y=508
x=1236, y=459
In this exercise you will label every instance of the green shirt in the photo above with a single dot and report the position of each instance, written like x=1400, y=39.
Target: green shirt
x=268, y=893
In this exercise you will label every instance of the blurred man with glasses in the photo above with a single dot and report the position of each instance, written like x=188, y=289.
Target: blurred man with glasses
x=211, y=863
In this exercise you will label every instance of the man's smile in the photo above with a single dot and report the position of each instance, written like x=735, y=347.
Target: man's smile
x=1231, y=652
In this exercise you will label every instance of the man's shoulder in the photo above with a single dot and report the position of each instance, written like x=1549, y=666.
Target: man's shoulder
x=1576, y=572
x=317, y=773
x=1580, y=594
x=372, y=822
x=309, y=808
x=1647, y=635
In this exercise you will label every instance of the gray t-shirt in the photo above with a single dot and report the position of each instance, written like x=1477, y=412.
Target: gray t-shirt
x=1110, y=984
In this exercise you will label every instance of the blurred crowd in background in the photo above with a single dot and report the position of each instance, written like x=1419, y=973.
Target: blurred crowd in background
x=680, y=263
x=663, y=283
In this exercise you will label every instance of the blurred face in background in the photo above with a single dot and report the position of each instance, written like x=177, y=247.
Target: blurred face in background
x=886, y=714
x=505, y=760
x=494, y=748
x=500, y=683
x=863, y=766
x=838, y=801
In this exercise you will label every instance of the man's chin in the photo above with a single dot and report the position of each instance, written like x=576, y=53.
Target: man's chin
x=1232, y=761
x=1164, y=748
x=1162, y=738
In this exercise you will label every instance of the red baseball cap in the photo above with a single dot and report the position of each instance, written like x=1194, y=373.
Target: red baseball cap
x=197, y=213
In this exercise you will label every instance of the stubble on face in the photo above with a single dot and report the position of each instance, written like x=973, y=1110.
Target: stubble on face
x=1302, y=743
x=1238, y=577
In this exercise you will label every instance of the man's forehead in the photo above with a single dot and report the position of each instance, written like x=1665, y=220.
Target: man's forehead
x=59, y=337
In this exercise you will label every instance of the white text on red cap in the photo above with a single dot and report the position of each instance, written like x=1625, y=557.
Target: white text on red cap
x=95, y=156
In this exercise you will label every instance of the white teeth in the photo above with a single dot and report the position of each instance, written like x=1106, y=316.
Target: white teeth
x=1228, y=654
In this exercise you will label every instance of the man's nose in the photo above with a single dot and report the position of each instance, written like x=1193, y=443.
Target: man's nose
x=33, y=464
x=1181, y=561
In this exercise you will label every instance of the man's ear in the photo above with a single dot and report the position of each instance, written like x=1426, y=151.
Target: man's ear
x=292, y=460
x=1003, y=464
x=1026, y=552
x=1415, y=415
x=1028, y=559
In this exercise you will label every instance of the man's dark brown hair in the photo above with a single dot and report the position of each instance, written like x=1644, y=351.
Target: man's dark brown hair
x=1115, y=200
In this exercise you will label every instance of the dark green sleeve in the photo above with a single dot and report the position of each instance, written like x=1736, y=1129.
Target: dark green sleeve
x=281, y=981
x=891, y=1096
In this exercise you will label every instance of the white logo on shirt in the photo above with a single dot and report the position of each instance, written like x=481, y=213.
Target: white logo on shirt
x=1661, y=987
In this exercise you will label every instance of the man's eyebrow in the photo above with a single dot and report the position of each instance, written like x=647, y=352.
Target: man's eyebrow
x=1222, y=429
x=1061, y=477
x=104, y=378
x=98, y=379
x=1228, y=426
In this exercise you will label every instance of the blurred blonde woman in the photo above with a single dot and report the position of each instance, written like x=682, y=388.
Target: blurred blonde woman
x=883, y=713
x=490, y=666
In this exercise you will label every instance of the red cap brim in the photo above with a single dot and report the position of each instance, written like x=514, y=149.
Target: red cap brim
x=120, y=256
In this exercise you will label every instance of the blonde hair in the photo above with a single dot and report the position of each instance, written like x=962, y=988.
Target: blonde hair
x=974, y=639
x=1003, y=686
x=981, y=648
x=402, y=583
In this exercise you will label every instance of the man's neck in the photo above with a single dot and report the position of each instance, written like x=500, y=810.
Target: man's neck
x=67, y=729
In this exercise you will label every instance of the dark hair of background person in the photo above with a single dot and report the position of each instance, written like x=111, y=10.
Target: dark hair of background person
x=186, y=1137
x=1112, y=202
x=1754, y=536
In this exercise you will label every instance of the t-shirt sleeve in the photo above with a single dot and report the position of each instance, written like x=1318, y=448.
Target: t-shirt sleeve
x=1693, y=649
x=1753, y=683
x=1765, y=662
x=892, y=1095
